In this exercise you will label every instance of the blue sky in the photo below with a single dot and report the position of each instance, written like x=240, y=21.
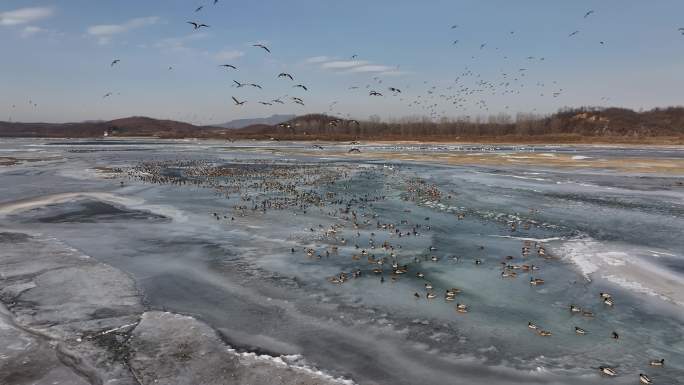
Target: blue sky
x=57, y=55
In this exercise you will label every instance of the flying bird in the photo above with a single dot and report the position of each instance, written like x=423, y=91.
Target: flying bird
x=256, y=86
x=589, y=13
x=228, y=66
x=573, y=34
x=114, y=62
x=284, y=75
x=354, y=56
x=237, y=102
x=301, y=86
x=238, y=84
x=108, y=94
x=395, y=90
x=262, y=46
x=454, y=26
x=196, y=25
x=375, y=93
x=278, y=101
x=266, y=103
x=483, y=45
x=455, y=42
x=199, y=8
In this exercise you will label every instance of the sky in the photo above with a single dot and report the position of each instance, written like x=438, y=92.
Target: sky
x=449, y=58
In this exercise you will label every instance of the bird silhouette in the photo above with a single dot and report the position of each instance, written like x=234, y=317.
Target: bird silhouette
x=262, y=46
x=589, y=13
x=238, y=84
x=301, y=86
x=285, y=75
x=375, y=93
x=114, y=62
x=197, y=25
x=237, y=102
x=573, y=34
x=228, y=66
x=199, y=8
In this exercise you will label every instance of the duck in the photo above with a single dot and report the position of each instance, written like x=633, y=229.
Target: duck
x=605, y=295
x=659, y=363
x=587, y=313
x=532, y=326
x=508, y=274
x=544, y=333
x=536, y=281
x=416, y=295
x=580, y=331
x=461, y=308
x=644, y=379
x=453, y=292
x=575, y=309
x=420, y=275
x=607, y=371
x=615, y=336
x=428, y=286
x=431, y=295
x=608, y=301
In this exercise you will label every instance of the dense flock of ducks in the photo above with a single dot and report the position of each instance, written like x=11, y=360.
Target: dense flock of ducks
x=261, y=186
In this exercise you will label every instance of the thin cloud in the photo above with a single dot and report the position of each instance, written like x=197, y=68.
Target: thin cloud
x=343, y=64
x=31, y=30
x=105, y=32
x=371, y=68
x=25, y=15
x=318, y=59
x=229, y=55
x=179, y=44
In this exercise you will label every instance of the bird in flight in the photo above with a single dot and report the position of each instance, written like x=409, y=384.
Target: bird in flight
x=354, y=56
x=278, y=101
x=589, y=13
x=256, y=86
x=216, y=1
x=114, y=62
x=266, y=103
x=237, y=102
x=301, y=86
x=262, y=46
x=228, y=66
x=455, y=42
x=199, y=8
x=108, y=94
x=284, y=75
x=375, y=93
x=681, y=30
x=454, y=26
x=396, y=90
x=483, y=45
x=238, y=84
x=197, y=26
x=573, y=34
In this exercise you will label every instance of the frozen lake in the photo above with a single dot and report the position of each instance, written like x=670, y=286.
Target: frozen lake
x=254, y=237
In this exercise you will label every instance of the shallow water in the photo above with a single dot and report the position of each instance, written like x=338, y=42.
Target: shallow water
x=603, y=231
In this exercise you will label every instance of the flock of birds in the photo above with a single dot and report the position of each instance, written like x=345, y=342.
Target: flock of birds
x=376, y=246
x=469, y=90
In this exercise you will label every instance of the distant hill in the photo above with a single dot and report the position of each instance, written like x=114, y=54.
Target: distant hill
x=579, y=125
x=270, y=121
x=132, y=126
